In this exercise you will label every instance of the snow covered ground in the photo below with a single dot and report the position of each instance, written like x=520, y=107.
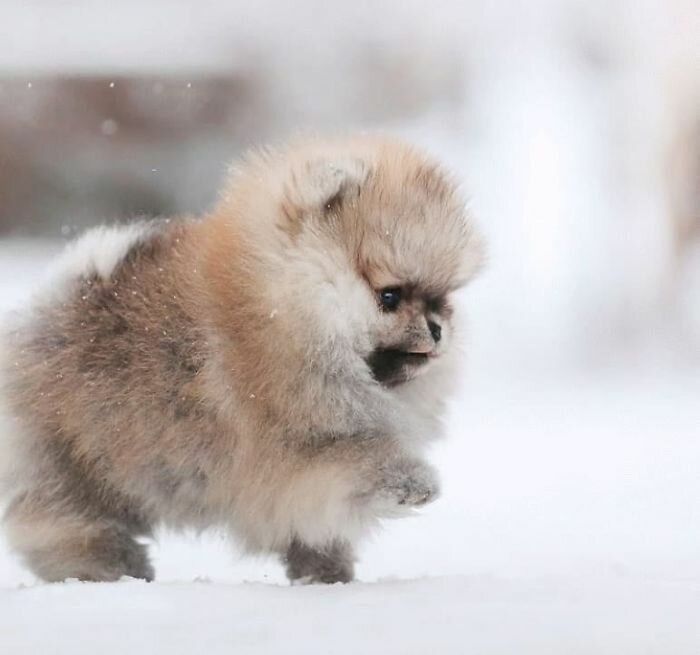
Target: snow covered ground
x=440, y=615
x=568, y=524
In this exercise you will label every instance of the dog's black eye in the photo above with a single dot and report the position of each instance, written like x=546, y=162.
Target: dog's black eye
x=390, y=298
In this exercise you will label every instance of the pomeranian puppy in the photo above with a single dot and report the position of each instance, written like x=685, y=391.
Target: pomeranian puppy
x=275, y=367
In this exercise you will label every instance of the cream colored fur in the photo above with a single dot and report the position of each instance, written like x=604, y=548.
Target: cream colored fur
x=240, y=369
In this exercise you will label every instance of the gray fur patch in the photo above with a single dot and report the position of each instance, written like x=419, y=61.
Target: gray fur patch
x=308, y=565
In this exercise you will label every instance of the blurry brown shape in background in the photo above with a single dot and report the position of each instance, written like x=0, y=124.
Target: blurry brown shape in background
x=79, y=150
x=82, y=150
x=684, y=183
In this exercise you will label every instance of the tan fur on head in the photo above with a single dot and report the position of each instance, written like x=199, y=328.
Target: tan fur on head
x=274, y=366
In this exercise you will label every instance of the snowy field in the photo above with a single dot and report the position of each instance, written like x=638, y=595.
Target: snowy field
x=568, y=524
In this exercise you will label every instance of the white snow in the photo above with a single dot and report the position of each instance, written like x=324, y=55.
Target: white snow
x=433, y=615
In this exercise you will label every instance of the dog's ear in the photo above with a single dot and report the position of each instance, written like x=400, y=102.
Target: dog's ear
x=321, y=186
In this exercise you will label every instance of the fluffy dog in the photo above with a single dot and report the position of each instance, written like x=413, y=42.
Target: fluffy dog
x=274, y=367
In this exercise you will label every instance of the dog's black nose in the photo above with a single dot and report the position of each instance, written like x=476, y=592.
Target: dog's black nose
x=435, y=331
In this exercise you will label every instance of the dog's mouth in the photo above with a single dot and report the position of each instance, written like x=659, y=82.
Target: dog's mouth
x=392, y=366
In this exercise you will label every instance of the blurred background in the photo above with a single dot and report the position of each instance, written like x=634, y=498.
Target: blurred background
x=575, y=127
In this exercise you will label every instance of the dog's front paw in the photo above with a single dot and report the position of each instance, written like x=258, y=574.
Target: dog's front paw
x=410, y=483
